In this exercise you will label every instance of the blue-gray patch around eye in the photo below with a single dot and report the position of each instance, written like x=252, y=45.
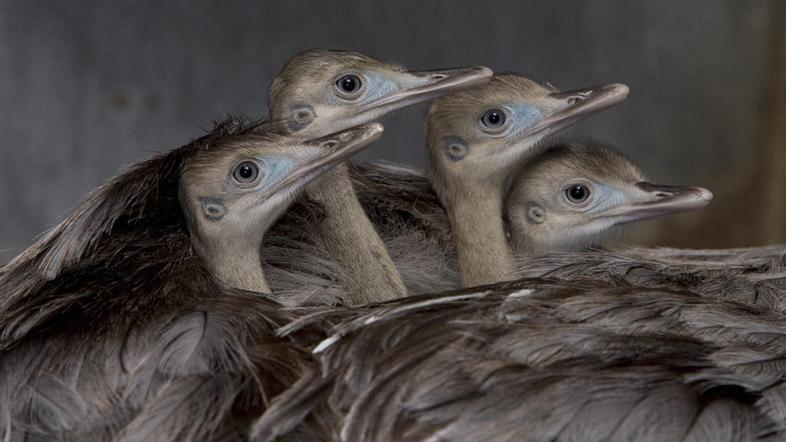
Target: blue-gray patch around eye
x=607, y=198
x=213, y=208
x=526, y=115
x=275, y=169
x=379, y=87
x=300, y=116
x=376, y=86
x=455, y=148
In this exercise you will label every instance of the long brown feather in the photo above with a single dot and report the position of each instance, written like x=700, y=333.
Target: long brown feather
x=542, y=360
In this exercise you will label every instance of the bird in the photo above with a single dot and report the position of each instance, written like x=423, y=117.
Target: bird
x=477, y=139
x=539, y=359
x=572, y=196
x=321, y=91
x=754, y=276
x=145, y=314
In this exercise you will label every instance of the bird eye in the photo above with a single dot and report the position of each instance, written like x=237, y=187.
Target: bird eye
x=349, y=85
x=577, y=193
x=246, y=172
x=493, y=119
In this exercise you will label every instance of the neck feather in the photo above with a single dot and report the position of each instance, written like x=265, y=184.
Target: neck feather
x=238, y=264
x=484, y=253
x=368, y=272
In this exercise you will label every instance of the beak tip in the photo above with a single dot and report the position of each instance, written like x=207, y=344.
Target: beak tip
x=619, y=90
x=666, y=200
x=483, y=72
x=704, y=194
x=622, y=88
x=375, y=129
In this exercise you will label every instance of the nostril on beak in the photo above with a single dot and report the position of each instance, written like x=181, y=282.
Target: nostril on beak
x=662, y=194
x=575, y=99
x=437, y=77
x=330, y=144
x=344, y=136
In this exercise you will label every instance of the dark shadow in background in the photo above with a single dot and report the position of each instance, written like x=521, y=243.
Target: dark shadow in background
x=87, y=87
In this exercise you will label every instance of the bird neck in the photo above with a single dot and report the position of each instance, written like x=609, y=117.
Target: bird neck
x=482, y=246
x=353, y=244
x=238, y=264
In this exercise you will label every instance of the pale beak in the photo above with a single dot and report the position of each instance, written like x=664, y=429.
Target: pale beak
x=577, y=105
x=334, y=149
x=662, y=200
x=434, y=84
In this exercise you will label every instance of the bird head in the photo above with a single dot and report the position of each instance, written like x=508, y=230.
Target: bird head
x=572, y=195
x=322, y=91
x=484, y=134
x=233, y=191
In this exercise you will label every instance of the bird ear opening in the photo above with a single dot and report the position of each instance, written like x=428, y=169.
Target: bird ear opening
x=455, y=148
x=535, y=213
x=300, y=116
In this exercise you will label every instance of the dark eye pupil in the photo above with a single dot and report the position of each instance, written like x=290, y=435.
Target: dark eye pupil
x=493, y=118
x=246, y=172
x=349, y=83
x=578, y=193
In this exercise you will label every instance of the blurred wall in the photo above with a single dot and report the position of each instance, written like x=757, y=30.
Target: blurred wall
x=89, y=86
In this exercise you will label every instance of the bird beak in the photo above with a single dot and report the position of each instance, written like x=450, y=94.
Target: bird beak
x=662, y=200
x=427, y=85
x=574, y=106
x=330, y=150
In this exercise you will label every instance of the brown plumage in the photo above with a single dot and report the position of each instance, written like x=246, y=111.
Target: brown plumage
x=542, y=360
x=129, y=218
x=203, y=362
x=123, y=321
x=754, y=276
x=403, y=209
x=770, y=257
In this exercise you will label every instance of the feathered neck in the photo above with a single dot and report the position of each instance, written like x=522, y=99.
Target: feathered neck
x=482, y=246
x=368, y=272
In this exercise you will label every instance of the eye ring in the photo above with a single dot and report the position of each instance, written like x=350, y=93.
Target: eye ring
x=348, y=86
x=494, y=120
x=578, y=193
x=246, y=173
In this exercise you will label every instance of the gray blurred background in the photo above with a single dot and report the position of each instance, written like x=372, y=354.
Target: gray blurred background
x=89, y=86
